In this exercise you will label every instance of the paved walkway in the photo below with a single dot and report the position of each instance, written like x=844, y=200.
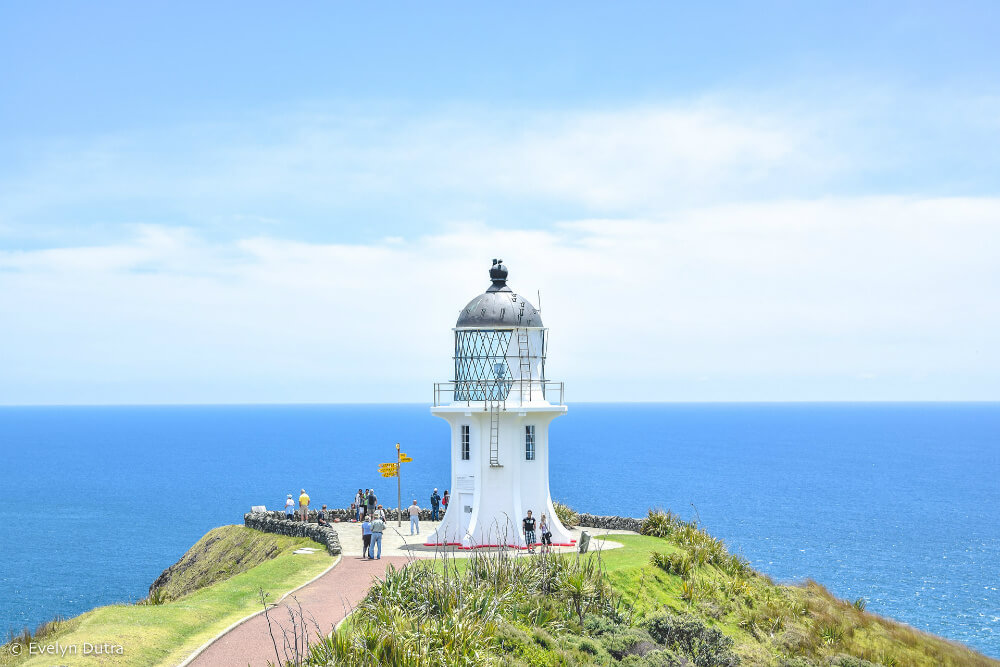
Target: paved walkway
x=328, y=599
x=397, y=541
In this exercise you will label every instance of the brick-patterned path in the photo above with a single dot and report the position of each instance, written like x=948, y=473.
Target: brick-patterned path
x=327, y=599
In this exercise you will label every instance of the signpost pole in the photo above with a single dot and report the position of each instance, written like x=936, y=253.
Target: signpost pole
x=399, y=491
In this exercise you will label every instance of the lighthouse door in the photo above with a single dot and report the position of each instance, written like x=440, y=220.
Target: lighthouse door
x=465, y=502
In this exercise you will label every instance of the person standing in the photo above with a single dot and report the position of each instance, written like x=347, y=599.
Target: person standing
x=414, y=518
x=435, y=503
x=444, y=501
x=543, y=528
x=304, y=505
x=289, y=506
x=378, y=525
x=528, y=524
x=366, y=537
x=360, y=501
x=372, y=501
x=321, y=517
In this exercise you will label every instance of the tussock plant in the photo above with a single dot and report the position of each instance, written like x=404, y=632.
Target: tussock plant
x=459, y=611
x=567, y=516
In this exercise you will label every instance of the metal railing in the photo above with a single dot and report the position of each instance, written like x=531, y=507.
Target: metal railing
x=509, y=393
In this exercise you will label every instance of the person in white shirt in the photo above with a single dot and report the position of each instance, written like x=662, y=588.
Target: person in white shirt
x=360, y=501
x=414, y=518
x=289, y=506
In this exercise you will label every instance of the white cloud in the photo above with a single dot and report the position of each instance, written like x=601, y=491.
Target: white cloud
x=451, y=163
x=837, y=298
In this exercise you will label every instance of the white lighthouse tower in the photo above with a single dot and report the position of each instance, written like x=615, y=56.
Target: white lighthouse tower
x=498, y=407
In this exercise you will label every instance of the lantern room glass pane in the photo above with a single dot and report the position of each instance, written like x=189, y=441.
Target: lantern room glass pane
x=481, y=369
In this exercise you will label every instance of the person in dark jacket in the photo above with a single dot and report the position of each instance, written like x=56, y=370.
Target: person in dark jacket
x=435, y=504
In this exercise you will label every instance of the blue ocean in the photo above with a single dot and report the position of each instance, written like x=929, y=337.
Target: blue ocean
x=896, y=503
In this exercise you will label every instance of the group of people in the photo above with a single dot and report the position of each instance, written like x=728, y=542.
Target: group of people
x=528, y=525
x=322, y=517
x=366, y=504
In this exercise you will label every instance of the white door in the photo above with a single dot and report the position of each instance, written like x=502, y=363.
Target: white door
x=465, y=504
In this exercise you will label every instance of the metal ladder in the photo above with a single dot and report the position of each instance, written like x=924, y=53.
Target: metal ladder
x=495, y=434
x=523, y=354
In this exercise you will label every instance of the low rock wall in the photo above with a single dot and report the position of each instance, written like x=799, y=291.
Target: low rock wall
x=610, y=522
x=275, y=522
x=340, y=515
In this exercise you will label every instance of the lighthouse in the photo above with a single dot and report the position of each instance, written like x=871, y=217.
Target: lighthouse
x=498, y=408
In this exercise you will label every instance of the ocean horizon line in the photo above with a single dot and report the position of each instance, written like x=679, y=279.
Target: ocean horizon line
x=236, y=404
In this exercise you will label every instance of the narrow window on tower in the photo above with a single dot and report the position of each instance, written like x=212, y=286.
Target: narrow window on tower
x=529, y=443
x=465, y=442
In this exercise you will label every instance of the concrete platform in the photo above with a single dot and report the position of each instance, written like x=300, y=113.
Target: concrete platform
x=397, y=541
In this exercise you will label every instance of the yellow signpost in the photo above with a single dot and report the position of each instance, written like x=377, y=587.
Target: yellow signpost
x=392, y=470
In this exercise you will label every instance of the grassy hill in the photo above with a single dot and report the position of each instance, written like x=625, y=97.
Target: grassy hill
x=673, y=597
x=216, y=583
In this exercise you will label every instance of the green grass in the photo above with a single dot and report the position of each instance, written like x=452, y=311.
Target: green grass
x=221, y=554
x=167, y=633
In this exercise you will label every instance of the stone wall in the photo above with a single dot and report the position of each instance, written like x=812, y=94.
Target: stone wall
x=275, y=522
x=339, y=515
x=610, y=522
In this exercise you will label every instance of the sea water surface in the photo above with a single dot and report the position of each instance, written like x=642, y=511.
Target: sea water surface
x=896, y=503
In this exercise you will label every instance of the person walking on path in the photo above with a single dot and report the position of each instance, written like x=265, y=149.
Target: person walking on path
x=543, y=528
x=366, y=537
x=529, y=532
x=435, y=503
x=378, y=525
x=304, y=505
x=359, y=503
x=414, y=517
x=289, y=506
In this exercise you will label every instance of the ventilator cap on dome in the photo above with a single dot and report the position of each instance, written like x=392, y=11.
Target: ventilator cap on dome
x=499, y=307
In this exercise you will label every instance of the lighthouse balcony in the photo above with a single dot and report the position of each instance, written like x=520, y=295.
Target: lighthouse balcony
x=506, y=394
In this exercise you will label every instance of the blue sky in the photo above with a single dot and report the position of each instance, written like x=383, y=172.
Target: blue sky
x=235, y=202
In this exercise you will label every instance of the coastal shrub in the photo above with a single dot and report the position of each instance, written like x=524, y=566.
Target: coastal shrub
x=567, y=516
x=659, y=523
x=851, y=661
x=628, y=641
x=860, y=604
x=678, y=562
x=688, y=637
x=736, y=567
x=595, y=625
x=798, y=662
x=658, y=658
x=795, y=640
x=157, y=596
x=832, y=635
x=589, y=646
x=689, y=591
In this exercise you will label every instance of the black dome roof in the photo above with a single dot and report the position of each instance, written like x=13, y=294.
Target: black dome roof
x=499, y=307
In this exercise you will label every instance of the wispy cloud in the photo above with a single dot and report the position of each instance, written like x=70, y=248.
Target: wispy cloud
x=455, y=163
x=837, y=298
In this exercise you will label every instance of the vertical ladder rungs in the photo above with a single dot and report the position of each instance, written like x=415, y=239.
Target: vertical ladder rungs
x=495, y=434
